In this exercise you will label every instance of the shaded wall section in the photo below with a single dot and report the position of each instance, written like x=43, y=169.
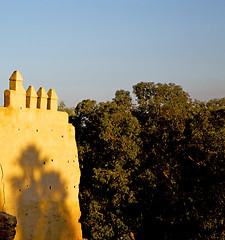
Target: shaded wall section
x=39, y=170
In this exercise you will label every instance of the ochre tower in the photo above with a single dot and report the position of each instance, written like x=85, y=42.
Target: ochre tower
x=39, y=170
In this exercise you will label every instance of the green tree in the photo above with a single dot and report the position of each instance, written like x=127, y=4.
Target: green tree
x=108, y=144
x=62, y=107
x=123, y=98
x=154, y=169
x=183, y=149
x=162, y=110
x=204, y=178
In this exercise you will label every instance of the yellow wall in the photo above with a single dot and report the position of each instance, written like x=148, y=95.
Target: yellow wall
x=39, y=171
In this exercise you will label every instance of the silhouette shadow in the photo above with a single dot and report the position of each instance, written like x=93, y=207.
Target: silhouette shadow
x=41, y=210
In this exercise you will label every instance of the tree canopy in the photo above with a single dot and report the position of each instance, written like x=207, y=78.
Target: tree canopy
x=152, y=167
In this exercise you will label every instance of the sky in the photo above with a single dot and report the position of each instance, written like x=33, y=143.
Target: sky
x=89, y=49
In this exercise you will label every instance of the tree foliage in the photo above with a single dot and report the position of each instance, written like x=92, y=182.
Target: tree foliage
x=153, y=168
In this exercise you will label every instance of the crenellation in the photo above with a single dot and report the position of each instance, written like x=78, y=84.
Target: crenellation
x=16, y=82
x=52, y=103
x=42, y=98
x=17, y=97
x=31, y=98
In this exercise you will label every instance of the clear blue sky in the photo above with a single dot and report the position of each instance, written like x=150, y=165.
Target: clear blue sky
x=91, y=48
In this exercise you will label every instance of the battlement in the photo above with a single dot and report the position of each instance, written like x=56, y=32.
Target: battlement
x=39, y=168
x=17, y=97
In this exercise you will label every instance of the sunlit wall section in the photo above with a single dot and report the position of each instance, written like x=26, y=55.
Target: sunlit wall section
x=39, y=170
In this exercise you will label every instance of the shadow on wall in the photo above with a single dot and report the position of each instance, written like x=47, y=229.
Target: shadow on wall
x=41, y=212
